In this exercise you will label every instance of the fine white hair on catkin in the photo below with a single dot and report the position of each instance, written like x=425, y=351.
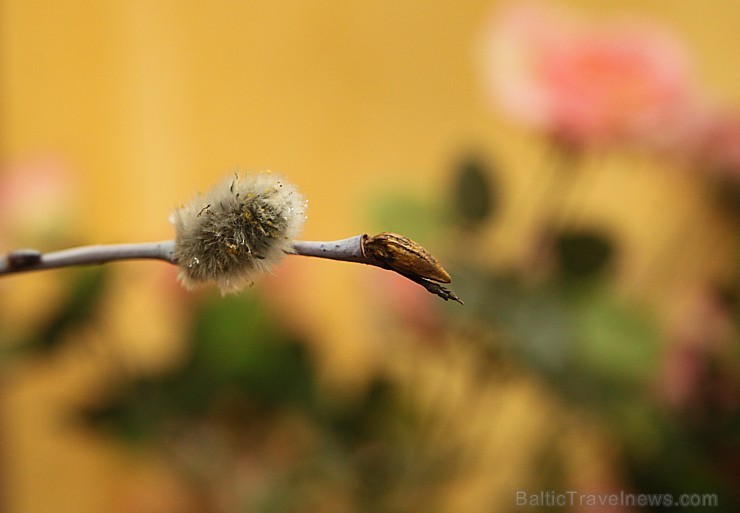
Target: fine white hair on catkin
x=236, y=230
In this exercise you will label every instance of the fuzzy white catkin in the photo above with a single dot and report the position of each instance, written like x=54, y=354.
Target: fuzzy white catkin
x=237, y=230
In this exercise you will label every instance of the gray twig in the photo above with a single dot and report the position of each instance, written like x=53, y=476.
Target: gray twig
x=351, y=250
x=348, y=250
x=26, y=260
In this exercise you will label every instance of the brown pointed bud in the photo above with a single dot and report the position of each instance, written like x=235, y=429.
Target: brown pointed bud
x=404, y=256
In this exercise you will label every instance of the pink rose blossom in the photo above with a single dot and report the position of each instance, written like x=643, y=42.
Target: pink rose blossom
x=590, y=84
x=719, y=151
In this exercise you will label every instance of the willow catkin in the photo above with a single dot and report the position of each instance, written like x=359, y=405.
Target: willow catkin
x=237, y=230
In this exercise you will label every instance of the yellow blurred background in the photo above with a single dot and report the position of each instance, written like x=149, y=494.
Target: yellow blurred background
x=143, y=103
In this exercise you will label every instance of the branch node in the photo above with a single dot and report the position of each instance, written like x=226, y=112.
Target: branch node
x=23, y=258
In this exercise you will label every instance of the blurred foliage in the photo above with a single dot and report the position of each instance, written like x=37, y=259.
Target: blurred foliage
x=474, y=198
x=600, y=351
x=248, y=395
x=84, y=290
x=235, y=348
x=582, y=253
x=86, y=287
x=405, y=213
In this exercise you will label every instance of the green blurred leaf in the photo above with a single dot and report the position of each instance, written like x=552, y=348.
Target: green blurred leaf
x=404, y=213
x=233, y=335
x=238, y=341
x=583, y=254
x=677, y=464
x=615, y=342
x=135, y=412
x=473, y=193
x=87, y=285
x=242, y=362
x=533, y=320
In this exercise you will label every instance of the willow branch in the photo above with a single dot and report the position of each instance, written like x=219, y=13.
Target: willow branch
x=347, y=250
x=351, y=250
x=26, y=260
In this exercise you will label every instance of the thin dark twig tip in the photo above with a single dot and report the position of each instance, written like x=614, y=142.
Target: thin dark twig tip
x=434, y=288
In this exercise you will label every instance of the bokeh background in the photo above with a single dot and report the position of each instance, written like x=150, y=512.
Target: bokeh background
x=595, y=246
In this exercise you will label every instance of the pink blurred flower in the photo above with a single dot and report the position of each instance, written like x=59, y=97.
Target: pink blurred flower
x=719, y=150
x=407, y=303
x=703, y=335
x=35, y=200
x=590, y=84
